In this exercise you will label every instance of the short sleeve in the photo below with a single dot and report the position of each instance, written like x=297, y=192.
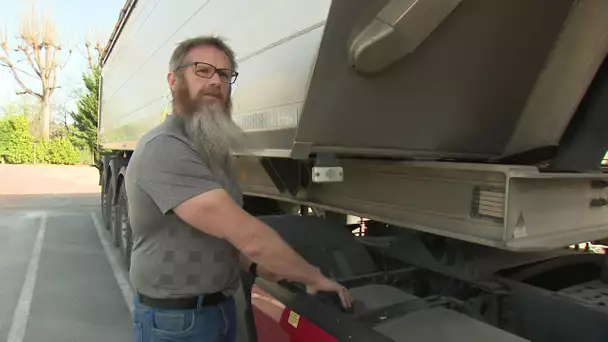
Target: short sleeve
x=171, y=172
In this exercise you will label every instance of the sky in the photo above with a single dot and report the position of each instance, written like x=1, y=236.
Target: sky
x=73, y=19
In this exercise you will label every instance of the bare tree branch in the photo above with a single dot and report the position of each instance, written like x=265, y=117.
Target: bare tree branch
x=6, y=58
x=40, y=47
x=47, y=59
x=81, y=53
x=54, y=83
x=91, y=58
x=28, y=56
x=63, y=114
x=90, y=55
x=100, y=49
x=66, y=60
x=28, y=91
x=20, y=70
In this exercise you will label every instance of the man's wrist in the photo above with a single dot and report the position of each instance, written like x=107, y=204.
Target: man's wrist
x=317, y=277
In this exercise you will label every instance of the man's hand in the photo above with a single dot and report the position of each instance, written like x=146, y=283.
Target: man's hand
x=328, y=285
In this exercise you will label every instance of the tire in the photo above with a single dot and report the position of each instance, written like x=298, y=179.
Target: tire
x=106, y=201
x=123, y=226
x=114, y=224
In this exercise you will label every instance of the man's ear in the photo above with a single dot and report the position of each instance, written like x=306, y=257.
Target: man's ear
x=171, y=78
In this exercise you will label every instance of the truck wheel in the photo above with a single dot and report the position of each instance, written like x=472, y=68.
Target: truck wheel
x=124, y=226
x=105, y=206
x=114, y=223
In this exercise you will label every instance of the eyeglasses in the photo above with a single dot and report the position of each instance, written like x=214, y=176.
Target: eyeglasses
x=205, y=70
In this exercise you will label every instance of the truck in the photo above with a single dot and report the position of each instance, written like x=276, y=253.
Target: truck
x=442, y=159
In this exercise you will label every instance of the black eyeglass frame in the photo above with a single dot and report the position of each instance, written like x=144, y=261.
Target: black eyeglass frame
x=233, y=74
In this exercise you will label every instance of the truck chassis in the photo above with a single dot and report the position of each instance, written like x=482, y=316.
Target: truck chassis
x=407, y=282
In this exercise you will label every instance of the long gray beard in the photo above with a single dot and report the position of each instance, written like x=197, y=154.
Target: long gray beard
x=214, y=134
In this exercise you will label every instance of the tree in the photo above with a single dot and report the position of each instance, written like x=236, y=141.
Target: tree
x=62, y=118
x=5, y=138
x=85, y=118
x=25, y=106
x=15, y=140
x=59, y=150
x=94, y=58
x=39, y=45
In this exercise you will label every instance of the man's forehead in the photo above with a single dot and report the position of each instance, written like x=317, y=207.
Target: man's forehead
x=208, y=54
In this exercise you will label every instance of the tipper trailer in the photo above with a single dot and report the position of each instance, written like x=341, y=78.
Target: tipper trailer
x=439, y=158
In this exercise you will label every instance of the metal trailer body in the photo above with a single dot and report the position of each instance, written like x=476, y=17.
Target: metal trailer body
x=318, y=85
x=468, y=133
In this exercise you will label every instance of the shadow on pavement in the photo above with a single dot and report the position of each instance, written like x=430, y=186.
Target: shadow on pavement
x=49, y=201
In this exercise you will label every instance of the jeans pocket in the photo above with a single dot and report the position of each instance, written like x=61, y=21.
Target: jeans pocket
x=173, y=323
x=137, y=332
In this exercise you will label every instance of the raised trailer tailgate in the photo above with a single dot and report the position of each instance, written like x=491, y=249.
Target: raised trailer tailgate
x=493, y=78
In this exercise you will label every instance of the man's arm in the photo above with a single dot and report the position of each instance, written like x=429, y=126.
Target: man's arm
x=177, y=180
x=261, y=272
x=215, y=213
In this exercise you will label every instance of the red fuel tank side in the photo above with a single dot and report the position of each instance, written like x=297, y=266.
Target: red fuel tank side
x=277, y=323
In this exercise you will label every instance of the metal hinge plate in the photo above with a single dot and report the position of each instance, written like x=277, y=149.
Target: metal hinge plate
x=327, y=174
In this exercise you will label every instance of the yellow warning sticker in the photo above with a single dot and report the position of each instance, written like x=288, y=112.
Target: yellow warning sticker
x=294, y=319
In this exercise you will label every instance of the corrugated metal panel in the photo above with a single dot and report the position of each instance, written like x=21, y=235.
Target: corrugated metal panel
x=275, y=43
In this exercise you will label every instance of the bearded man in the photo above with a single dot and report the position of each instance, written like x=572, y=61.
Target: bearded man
x=191, y=238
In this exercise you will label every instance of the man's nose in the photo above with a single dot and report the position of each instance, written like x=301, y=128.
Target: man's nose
x=215, y=79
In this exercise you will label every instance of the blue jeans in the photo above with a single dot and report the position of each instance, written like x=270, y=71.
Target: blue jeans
x=205, y=324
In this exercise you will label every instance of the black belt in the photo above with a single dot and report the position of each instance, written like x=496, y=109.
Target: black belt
x=188, y=303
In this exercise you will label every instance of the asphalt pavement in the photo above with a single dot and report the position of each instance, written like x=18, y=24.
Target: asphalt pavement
x=60, y=279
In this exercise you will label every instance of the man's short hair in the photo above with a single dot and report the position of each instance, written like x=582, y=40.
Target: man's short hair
x=182, y=49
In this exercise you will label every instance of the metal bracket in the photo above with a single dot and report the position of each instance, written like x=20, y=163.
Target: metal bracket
x=583, y=145
x=327, y=169
x=286, y=174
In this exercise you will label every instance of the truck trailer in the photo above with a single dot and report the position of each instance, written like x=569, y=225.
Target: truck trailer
x=439, y=158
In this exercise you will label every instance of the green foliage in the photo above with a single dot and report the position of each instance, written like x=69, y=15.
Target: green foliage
x=31, y=109
x=84, y=134
x=70, y=143
x=17, y=144
x=5, y=136
x=57, y=151
x=16, y=140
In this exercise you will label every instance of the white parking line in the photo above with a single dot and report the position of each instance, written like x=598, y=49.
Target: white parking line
x=123, y=283
x=22, y=312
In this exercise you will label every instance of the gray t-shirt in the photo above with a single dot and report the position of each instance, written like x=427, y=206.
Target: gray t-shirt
x=170, y=258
